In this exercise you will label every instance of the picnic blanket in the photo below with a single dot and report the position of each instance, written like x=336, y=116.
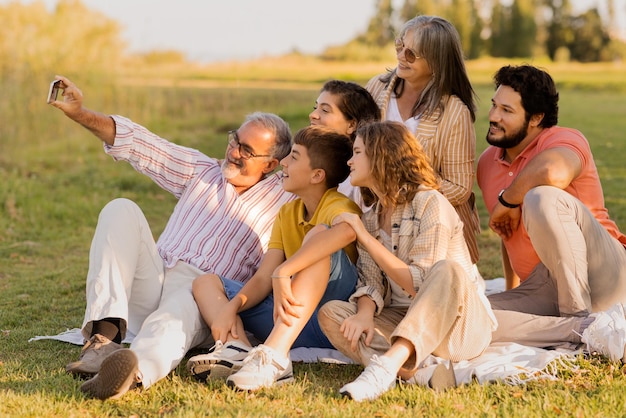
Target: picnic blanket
x=507, y=362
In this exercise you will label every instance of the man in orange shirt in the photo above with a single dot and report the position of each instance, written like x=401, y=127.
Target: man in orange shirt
x=564, y=258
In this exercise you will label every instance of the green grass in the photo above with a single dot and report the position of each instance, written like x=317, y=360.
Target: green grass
x=55, y=180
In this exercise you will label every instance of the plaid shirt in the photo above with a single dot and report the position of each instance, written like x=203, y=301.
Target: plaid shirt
x=423, y=231
x=449, y=140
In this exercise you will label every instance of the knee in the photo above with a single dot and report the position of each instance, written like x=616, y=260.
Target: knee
x=449, y=272
x=118, y=210
x=207, y=283
x=119, y=205
x=540, y=203
x=328, y=314
x=540, y=198
x=446, y=279
x=121, y=216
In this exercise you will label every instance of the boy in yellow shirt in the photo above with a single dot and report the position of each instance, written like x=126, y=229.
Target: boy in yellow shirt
x=308, y=263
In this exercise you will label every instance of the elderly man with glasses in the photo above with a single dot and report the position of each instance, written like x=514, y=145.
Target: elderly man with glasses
x=221, y=224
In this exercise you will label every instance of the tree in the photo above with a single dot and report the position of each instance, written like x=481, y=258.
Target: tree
x=560, y=34
x=412, y=8
x=462, y=14
x=477, y=43
x=380, y=30
x=523, y=28
x=500, y=39
x=513, y=29
x=590, y=38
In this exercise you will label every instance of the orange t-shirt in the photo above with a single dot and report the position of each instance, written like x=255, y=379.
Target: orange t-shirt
x=494, y=174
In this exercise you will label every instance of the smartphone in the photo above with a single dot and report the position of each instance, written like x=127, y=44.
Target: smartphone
x=53, y=93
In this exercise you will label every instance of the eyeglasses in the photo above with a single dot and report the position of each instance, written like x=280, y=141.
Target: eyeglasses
x=409, y=55
x=245, y=153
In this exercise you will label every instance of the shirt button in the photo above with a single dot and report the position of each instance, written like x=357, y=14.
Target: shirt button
x=395, y=247
x=396, y=225
x=510, y=174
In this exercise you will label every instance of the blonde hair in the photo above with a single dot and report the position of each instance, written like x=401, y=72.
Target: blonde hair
x=398, y=163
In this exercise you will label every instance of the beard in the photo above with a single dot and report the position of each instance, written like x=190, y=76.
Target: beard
x=509, y=140
x=230, y=171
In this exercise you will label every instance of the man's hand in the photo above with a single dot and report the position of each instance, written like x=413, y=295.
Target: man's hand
x=98, y=124
x=72, y=103
x=503, y=221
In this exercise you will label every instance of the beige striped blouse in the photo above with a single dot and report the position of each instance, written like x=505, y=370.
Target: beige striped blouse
x=449, y=140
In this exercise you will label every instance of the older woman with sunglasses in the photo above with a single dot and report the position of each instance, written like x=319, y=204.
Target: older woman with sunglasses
x=430, y=93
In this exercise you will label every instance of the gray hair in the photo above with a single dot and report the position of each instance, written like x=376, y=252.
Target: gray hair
x=278, y=127
x=438, y=42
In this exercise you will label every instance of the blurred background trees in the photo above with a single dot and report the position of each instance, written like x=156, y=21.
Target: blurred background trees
x=34, y=39
x=509, y=28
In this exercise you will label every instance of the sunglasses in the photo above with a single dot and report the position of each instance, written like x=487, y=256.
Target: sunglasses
x=409, y=55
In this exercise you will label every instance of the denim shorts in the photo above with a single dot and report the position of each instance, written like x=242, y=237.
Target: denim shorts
x=259, y=320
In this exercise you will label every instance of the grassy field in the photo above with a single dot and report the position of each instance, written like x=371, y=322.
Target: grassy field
x=55, y=179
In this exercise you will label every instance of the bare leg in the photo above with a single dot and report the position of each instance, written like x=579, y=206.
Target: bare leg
x=401, y=350
x=209, y=294
x=308, y=287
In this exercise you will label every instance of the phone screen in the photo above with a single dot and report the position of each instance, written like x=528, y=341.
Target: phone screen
x=53, y=93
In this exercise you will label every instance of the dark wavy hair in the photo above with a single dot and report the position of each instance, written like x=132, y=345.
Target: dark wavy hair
x=537, y=89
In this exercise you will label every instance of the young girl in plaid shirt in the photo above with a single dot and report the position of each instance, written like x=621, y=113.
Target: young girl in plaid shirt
x=418, y=293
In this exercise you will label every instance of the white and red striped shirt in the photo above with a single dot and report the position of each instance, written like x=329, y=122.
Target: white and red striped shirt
x=212, y=227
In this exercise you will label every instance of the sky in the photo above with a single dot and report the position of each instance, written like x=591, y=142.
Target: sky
x=210, y=30
x=218, y=30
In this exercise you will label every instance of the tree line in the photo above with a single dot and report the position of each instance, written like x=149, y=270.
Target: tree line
x=34, y=39
x=508, y=29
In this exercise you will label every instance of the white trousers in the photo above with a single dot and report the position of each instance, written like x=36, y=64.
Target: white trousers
x=127, y=280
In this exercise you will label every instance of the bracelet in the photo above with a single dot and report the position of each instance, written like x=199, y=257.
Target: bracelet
x=504, y=202
x=281, y=277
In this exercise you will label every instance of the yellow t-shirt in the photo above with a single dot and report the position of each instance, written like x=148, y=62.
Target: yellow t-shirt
x=290, y=227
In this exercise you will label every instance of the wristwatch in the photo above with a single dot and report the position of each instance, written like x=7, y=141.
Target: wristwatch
x=504, y=202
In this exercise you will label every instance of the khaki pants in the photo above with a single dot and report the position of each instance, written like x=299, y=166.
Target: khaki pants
x=536, y=330
x=446, y=318
x=583, y=270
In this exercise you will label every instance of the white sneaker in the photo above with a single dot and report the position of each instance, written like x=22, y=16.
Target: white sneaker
x=376, y=379
x=607, y=333
x=221, y=361
x=262, y=368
